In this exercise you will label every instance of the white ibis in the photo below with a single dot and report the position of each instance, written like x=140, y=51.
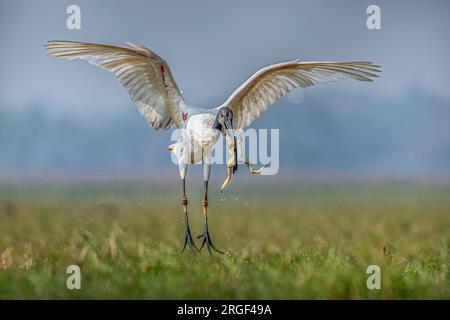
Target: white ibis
x=151, y=86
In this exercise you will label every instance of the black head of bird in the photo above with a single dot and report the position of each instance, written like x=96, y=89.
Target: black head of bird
x=224, y=120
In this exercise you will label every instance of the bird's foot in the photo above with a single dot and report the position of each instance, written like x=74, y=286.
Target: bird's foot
x=207, y=240
x=251, y=168
x=189, y=242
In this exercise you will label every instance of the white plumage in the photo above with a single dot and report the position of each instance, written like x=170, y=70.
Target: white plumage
x=196, y=141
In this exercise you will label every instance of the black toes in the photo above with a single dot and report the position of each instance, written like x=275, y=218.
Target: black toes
x=208, y=242
x=189, y=242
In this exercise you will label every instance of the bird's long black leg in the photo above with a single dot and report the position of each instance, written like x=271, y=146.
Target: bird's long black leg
x=188, y=241
x=205, y=235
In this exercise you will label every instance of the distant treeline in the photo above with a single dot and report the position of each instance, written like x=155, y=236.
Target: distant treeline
x=408, y=135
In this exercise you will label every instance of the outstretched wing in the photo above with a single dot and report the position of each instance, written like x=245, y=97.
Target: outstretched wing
x=268, y=84
x=144, y=74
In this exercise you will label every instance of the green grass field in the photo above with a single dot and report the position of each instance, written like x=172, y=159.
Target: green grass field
x=284, y=242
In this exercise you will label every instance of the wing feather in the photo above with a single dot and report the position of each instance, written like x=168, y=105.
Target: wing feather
x=145, y=75
x=270, y=83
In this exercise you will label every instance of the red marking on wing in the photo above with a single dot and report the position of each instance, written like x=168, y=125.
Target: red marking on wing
x=161, y=67
x=184, y=116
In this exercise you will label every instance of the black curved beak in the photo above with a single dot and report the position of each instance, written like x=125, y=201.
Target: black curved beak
x=235, y=165
x=229, y=130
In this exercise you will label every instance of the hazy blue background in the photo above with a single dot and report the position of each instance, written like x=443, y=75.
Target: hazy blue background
x=61, y=118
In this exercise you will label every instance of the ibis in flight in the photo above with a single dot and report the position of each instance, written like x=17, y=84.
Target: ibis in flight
x=152, y=87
